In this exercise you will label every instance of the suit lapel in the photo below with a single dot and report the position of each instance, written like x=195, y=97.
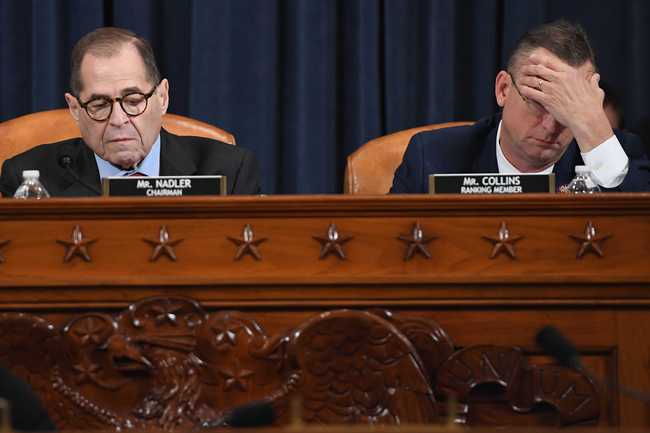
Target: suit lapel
x=486, y=161
x=564, y=169
x=174, y=157
x=84, y=166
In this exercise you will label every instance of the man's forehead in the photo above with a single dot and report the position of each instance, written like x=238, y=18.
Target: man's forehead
x=121, y=69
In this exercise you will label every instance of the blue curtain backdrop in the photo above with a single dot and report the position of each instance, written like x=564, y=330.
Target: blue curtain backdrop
x=303, y=83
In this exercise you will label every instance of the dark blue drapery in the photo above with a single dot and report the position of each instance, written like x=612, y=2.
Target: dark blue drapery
x=303, y=83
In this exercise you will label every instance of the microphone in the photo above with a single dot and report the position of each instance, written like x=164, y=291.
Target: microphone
x=559, y=347
x=66, y=162
x=565, y=353
x=255, y=414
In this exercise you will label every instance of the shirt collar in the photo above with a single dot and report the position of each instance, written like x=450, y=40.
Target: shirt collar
x=150, y=165
x=505, y=167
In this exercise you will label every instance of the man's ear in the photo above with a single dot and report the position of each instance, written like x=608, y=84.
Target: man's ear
x=502, y=86
x=163, y=93
x=73, y=106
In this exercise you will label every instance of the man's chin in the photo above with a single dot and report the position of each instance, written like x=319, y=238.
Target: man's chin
x=545, y=159
x=544, y=144
x=126, y=163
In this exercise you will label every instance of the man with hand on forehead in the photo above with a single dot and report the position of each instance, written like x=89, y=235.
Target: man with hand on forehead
x=118, y=100
x=552, y=120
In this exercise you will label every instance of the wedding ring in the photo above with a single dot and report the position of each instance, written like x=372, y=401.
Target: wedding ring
x=540, y=86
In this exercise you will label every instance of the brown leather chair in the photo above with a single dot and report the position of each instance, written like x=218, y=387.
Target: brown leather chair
x=370, y=169
x=24, y=132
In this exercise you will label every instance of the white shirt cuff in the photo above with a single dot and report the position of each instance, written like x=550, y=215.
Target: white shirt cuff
x=608, y=162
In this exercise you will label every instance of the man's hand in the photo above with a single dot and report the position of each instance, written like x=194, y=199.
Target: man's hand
x=571, y=95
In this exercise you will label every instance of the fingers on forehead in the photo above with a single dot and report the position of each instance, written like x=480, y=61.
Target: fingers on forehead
x=537, y=71
x=530, y=81
x=546, y=61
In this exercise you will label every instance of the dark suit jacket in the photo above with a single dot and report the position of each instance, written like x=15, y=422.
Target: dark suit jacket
x=472, y=149
x=179, y=156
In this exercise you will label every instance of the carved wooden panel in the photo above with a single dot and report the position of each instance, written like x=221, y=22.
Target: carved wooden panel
x=601, y=302
x=132, y=235
x=573, y=396
x=167, y=363
x=361, y=368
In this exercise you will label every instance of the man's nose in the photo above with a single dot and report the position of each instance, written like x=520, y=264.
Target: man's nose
x=550, y=124
x=118, y=116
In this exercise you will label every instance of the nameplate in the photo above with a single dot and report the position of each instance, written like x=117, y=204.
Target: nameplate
x=490, y=183
x=164, y=186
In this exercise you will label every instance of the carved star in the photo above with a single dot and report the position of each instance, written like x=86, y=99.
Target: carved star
x=333, y=243
x=86, y=371
x=503, y=242
x=78, y=245
x=163, y=245
x=2, y=245
x=166, y=313
x=235, y=378
x=590, y=242
x=417, y=243
x=248, y=244
x=90, y=331
x=226, y=334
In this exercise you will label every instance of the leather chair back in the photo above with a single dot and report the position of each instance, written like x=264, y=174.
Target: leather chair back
x=24, y=132
x=371, y=168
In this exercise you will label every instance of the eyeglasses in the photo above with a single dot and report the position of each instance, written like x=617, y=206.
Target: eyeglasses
x=535, y=107
x=133, y=104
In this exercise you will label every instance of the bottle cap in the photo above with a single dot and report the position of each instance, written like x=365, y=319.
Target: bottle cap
x=31, y=174
x=582, y=169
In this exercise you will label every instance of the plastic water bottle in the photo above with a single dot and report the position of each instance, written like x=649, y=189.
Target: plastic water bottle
x=583, y=182
x=31, y=186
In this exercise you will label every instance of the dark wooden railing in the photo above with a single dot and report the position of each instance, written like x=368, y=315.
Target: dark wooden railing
x=164, y=313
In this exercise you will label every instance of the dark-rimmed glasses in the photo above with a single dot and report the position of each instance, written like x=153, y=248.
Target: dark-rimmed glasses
x=133, y=104
x=535, y=107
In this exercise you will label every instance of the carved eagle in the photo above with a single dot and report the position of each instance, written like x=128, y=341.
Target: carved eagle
x=358, y=368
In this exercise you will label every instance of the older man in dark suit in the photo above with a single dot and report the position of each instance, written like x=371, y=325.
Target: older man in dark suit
x=118, y=99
